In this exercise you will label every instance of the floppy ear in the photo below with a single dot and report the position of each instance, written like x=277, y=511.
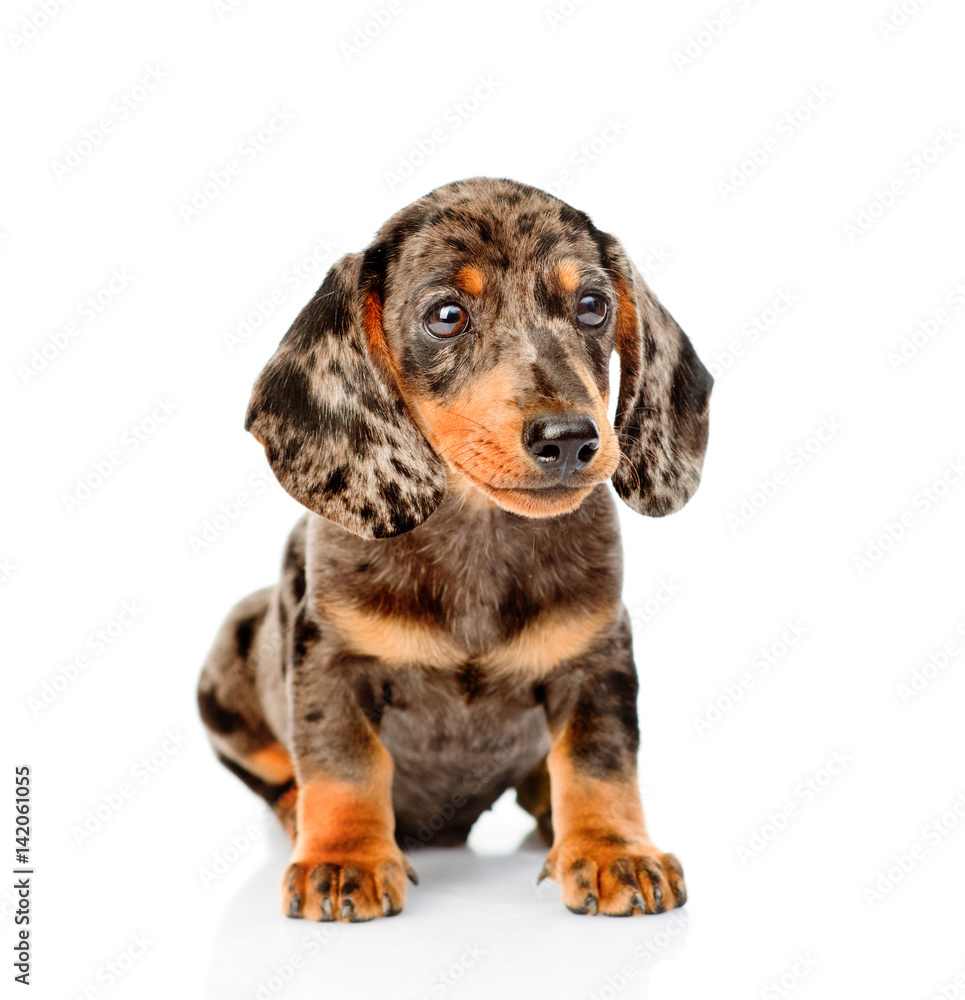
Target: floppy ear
x=662, y=409
x=335, y=428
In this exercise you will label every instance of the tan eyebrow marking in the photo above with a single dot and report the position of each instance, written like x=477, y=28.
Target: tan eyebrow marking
x=470, y=280
x=569, y=274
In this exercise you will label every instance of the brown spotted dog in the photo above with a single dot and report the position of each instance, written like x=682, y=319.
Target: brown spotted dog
x=449, y=621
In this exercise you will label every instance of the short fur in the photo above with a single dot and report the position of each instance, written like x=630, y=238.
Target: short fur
x=448, y=623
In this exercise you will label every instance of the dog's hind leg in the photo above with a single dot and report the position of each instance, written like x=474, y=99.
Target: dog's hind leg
x=533, y=795
x=230, y=707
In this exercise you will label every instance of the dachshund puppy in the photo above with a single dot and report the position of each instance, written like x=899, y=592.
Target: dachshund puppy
x=449, y=623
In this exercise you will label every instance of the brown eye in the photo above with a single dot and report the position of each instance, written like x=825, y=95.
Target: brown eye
x=447, y=320
x=591, y=310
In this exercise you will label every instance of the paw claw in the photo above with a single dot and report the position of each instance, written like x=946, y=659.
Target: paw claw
x=615, y=876
x=353, y=887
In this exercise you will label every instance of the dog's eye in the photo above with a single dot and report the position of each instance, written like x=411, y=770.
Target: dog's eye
x=591, y=310
x=447, y=320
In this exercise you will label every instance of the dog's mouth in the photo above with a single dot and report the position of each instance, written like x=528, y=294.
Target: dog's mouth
x=548, y=493
x=550, y=500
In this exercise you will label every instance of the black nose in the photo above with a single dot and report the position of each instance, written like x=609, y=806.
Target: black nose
x=562, y=443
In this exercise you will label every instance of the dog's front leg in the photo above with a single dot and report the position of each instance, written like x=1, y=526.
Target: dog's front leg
x=345, y=862
x=602, y=855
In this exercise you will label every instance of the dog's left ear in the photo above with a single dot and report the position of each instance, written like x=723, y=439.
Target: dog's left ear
x=662, y=409
x=328, y=410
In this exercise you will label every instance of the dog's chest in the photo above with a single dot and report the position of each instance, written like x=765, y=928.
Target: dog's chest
x=529, y=648
x=512, y=597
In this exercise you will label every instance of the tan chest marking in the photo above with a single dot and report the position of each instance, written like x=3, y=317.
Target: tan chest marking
x=547, y=641
x=394, y=640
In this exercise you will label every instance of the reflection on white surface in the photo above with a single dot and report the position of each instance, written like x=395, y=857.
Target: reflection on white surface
x=476, y=926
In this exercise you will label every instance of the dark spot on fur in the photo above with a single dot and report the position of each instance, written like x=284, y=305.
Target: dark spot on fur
x=359, y=433
x=517, y=609
x=441, y=215
x=599, y=346
x=484, y=228
x=314, y=717
x=573, y=218
x=525, y=223
x=592, y=752
x=435, y=366
x=336, y=482
x=322, y=877
x=373, y=269
x=649, y=347
x=350, y=883
x=688, y=398
x=603, y=729
x=551, y=299
x=471, y=681
x=364, y=394
x=306, y=634
x=215, y=716
x=298, y=584
x=457, y=243
x=578, y=870
x=402, y=521
x=391, y=494
x=372, y=702
x=541, y=382
x=294, y=568
x=547, y=244
x=330, y=309
x=410, y=223
x=606, y=246
x=558, y=369
x=285, y=394
x=245, y=632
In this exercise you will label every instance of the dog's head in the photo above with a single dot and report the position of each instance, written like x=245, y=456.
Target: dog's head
x=470, y=345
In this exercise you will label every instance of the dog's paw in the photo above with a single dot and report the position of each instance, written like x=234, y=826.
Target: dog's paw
x=615, y=877
x=350, y=888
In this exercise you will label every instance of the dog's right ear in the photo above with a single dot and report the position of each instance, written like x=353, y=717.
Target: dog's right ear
x=335, y=428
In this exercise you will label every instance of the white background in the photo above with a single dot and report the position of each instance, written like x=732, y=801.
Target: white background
x=710, y=588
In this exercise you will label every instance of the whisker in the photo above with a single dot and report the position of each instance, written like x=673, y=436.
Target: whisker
x=471, y=420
